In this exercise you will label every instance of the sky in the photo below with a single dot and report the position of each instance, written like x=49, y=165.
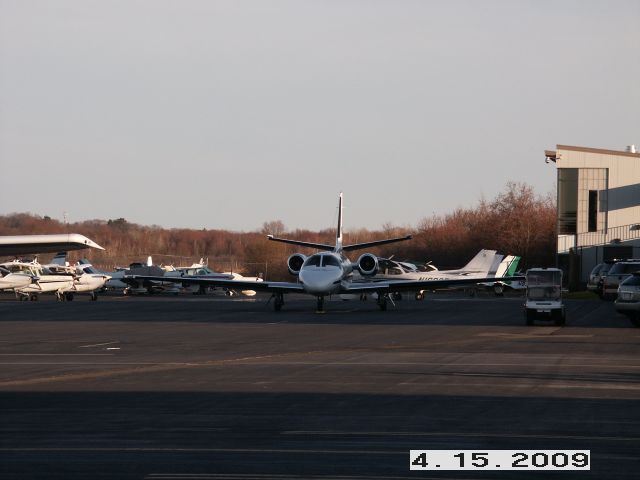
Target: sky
x=227, y=114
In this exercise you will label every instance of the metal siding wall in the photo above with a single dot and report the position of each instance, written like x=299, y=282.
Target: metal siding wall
x=609, y=174
x=623, y=171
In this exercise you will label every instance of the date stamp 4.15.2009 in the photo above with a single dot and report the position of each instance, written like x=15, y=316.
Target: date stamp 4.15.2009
x=500, y=460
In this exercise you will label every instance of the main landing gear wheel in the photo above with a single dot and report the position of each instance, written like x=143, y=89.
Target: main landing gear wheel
x=419, y=295
x=397, y=296
x=382, y=301
x=529, y=317
x=498, y=290
x=33, y=297
x=278, y=302
x=68, y=297
x=560, y=318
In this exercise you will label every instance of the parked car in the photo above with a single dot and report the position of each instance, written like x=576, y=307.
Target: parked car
x=596, y=277
x=628, y=301
x=616, y=275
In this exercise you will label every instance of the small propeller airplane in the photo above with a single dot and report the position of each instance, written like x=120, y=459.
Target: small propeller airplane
x=327, y=273
x=57, y=277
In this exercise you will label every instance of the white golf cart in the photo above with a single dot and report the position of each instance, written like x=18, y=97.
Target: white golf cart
x=544, y=296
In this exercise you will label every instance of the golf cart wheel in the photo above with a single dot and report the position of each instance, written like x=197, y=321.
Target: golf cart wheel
x=529, y=317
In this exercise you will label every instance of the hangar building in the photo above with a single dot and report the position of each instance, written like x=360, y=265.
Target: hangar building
x=598, y=207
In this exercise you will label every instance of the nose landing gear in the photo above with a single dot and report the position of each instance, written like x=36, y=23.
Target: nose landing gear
x=320, y=304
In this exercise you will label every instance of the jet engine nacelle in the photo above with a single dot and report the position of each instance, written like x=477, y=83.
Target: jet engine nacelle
x=368, y=264
x=294, y=263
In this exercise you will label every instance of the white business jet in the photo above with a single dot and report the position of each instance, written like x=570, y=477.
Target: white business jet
x=328, y=273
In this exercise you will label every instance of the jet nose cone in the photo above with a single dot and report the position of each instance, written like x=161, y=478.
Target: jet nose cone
x=321, y=281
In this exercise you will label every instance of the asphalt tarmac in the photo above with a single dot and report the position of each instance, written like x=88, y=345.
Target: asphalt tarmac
x=215, y=388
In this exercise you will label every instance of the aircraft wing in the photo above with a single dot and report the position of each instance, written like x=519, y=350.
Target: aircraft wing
x=24, y=244
x=284, y=287
x=317, y=246
x=387, y=286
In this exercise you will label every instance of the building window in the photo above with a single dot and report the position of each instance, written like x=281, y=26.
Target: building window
x=593, y=210
x=567, y=201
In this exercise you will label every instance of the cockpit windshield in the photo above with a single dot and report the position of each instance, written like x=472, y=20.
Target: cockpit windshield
x=319, y=260
x=330, y=261
x=313, y=261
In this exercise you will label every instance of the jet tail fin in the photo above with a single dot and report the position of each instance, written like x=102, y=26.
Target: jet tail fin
x=508, y=266
x=481, y=263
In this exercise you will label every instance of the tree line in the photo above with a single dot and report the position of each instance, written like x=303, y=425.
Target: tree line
x=517, y=221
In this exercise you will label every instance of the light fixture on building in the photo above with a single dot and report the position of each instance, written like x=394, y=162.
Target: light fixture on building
x=550, y=156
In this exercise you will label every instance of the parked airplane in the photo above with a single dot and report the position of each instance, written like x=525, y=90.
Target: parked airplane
x=14, y=276
x=126, y=279
x=63, y=280
x=507, y=268
x=238, y=277
x=42, y=279
x=199, y=270
x=23, y=244
x=483, y=265
x=329, y=273
x=87, y=278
